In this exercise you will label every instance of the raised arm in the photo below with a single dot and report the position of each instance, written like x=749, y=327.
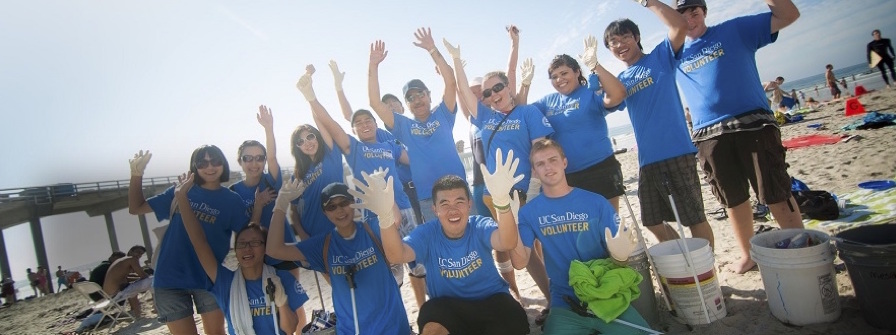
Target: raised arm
x=514, y=33
x=425, y=42
x=276, y=246
x=337, y=81
x=322, y=117
x=266, y=120
x=377, y=55
x=378, y=196
x=136, y=200
x=194, y=228
x=678, y=25
x=519, y=256
x=784, y=12
x=528, y=72
x=309, y=71
x=468, y=100
x=499, y=185
x=614, y=91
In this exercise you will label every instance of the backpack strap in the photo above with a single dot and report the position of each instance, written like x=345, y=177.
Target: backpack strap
x=376, y=241
x=326, y=251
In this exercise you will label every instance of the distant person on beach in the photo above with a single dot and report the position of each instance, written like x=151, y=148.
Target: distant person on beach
x=884, y=49
x=687, y=117
x=8, y=291
x=60, y=278
x=796, y=99
x=33, y=280
x=241, y=294
x=665, y=150
x=588, y=232
x=732, y=120
x=774, y=86
x=364, y=154
x=179, y=282
x=351, y=253
x=578, y=113
x=125, y=275
x=467, y=296
x=843, y=83
x=831, y=80
x=98, y=273
x=429, y=135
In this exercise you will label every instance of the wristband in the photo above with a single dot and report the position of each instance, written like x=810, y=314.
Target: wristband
x=501, y=208
x=433, y=51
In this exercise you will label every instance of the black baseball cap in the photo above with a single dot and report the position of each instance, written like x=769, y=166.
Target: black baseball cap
x=332, y=191
x=681, y=5
x=414, y=84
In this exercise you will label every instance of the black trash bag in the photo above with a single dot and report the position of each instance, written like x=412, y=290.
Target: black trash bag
x=818, y=205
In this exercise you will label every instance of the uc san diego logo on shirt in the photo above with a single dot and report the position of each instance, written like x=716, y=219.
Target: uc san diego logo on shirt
x=459, y=268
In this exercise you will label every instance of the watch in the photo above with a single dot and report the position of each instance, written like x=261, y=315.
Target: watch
x=643, y=2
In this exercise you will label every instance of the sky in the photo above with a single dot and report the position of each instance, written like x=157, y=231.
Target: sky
x=86, y=84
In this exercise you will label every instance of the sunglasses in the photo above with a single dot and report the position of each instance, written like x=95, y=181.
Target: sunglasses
x=488, y=91
x=309, y=137
x=254, y=244
x=250, y=158
x=333, y=206
x=205, y=163
x=414, y=96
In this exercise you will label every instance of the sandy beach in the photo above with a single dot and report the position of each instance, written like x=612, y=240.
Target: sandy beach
x=836, y=168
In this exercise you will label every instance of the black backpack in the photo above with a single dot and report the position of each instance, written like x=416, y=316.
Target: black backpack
x=818, y=205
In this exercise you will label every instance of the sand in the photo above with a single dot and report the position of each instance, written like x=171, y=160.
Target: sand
x=837, y=168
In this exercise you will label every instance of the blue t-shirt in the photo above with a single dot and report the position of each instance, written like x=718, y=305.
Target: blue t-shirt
x=459, y=268
x=717, y=72
x=366, y=157
x=220, y=213
x=560, y=224
x=654, y=106
x=262, y=321
x=523, y=125
x=579, y=125
x=404, y=170
x=248, y=195
x=430, y=146
x=380, y=308
x=328, y=171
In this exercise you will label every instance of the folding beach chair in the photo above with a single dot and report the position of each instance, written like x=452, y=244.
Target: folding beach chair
x=106, y=306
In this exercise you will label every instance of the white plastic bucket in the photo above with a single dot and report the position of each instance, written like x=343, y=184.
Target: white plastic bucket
x=800, y=284
x=646, y=303
x=678, y=279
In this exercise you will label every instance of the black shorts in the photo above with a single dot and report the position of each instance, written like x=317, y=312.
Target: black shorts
x=497, y=314
x=604, y=178
x=734, y=162
x=680, y=173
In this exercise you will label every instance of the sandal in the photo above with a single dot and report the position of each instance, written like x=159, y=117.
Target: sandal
x=541, y=318
x=719, y=214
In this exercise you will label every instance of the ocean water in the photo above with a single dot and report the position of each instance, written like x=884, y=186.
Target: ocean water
x=815, y=85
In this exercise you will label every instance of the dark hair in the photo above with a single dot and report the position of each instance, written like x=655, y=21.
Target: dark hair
x=137, y=247
x=544, y=144
x=246, y=144
x=621, y=27
x=565, y=59
x=389, y=96
x=116, y=255
x=780, y=78
x=256, y=227
x=829, y=66
x=213, y=153
x=303, y=161
x=875, y=31
x=450, y=182
x=362, y=112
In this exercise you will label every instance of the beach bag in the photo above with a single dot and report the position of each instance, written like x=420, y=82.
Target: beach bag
x=818, y=205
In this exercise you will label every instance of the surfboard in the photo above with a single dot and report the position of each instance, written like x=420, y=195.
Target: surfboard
x=875, y=58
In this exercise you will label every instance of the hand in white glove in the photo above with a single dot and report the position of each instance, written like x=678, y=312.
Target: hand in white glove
x=590, y=55
x=378, y=196
x=280, y=298
x=621, y=245
x=528, y=71
x=337, y=76
x=304, y=86
x=452, y=50
x=138, y=163
x=501, y=182
x=290, y=190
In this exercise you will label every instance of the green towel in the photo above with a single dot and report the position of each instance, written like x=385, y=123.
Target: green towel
x=606, y=287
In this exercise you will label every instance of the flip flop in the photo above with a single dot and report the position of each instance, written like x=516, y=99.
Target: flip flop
x=718, y=214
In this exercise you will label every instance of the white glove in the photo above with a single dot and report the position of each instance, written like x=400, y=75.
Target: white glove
x=138, y=163
x=590, y=55
x=378, y=196
x=304, y=86
x=452, y=50
x=501, y=182
x=290, y=190
x=337, y=76
x=279, y=294
x=621, y=245
x=528, y=71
